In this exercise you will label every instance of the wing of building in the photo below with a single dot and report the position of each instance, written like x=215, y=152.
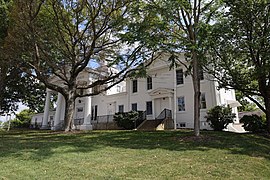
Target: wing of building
x=165, y=94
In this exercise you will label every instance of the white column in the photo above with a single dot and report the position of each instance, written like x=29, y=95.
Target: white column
x=87, y=114
x=170, y=104
x=57, y=116
x=174, y=97
x=153, y=104
x=46, y=110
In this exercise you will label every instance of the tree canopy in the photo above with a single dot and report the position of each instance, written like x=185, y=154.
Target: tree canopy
x=62, y=38
x=15, y=85
x=240, y=50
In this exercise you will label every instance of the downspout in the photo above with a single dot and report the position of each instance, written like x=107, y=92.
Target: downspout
x=174, y=95
x=128, y=94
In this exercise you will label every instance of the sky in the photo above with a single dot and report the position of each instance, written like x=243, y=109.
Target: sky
x=21, y=107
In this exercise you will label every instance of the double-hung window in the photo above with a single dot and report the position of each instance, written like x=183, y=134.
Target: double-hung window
x=181, y=103
x=134, y=107
x=203, y=101
x=135, y=86
x=121, y=108
x=179, y=76
x=149, y=109
x=149, y=83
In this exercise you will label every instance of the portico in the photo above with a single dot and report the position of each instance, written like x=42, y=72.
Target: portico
x=58, y=119
x=161, y=98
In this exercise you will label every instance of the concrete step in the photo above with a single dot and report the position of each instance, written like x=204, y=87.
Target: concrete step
x=149, y=125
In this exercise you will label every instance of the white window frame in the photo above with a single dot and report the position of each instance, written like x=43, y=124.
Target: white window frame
x=149, y=83
x=179, y=76
x=203, y=103
x=134, y=86
x=183, y=109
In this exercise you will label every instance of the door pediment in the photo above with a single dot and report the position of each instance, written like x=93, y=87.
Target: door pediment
x=161, y=92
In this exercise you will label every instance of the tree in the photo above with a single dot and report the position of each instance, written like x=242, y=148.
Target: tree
x=240, y=53
x=183, y=25
x=5, y=103
x=61, y=38
x=247, y=105
x=23, y=119
x=15, y=86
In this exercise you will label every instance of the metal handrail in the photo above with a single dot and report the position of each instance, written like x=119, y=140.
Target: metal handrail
x=103, y=119
x=79, y=121
x=166, y=113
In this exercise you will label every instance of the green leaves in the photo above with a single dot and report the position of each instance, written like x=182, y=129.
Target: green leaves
x=219, y=117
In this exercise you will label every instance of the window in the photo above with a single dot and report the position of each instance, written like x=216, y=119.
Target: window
x=203, y=101
x=80, y=109
x=201, y=76
x=179, y=76
x=81, y=91
x=134, y=106
x=149, y=83
x=149, y=108
x=118, y=88
x=94, y=112
x=121, y=108
x=182, y=125
x=204, y=123
x=96, y=89
x=96, y=109
x=134, y=86
x=181, y=103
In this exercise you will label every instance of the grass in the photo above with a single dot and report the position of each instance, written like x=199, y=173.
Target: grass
x=133, y=155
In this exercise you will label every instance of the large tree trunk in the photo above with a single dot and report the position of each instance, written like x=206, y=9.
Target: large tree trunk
x=3, y=74
x=265, y=91
x=197, y=93
x=69, y=110
x=267, y=108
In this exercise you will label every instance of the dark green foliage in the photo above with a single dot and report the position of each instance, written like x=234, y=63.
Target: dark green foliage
x=254, y=123
x=126, y=120
x=15, y=85
x=247, y=106
x=219, y=117
x=22, y=120
x=240, y=53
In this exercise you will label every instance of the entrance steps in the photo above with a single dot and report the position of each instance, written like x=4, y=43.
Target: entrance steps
x=149, y=125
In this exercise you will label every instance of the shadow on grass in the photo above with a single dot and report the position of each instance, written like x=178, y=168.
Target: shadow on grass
x=44, y=144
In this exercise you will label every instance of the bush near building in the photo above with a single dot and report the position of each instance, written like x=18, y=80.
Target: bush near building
x=22, y=120
x=126, y=120
x=254, y=123
x=219, y=117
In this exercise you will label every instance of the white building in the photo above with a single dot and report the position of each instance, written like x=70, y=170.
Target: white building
x=162, y=89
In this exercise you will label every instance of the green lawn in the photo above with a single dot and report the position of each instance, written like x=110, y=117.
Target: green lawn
x=133, y=155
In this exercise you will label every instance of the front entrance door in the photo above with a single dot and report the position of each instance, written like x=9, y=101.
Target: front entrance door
x=161, y=104
x=111, y=108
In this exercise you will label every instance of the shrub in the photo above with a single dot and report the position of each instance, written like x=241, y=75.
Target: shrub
x=126, y=120
x=253, y=123
x=219, y=117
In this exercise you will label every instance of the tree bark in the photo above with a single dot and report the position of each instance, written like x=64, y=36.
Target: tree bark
x=267, y=108
x=265, y=91
x=69, y=110
x=197, y=93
